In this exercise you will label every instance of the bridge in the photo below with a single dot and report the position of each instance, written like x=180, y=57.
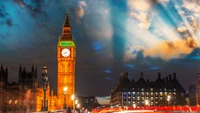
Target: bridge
x=147, y=109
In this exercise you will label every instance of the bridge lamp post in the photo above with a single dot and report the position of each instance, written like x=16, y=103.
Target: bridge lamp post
x=45, y=85
x=73, y=98
x=65, y=92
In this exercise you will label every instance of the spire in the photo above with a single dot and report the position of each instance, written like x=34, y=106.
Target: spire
x=24, y=69
x=20, y=68
x=52, y=92
x=32, y=68
x=1, y=67
x=66, y=32
x=6, y=69
x=67, y=20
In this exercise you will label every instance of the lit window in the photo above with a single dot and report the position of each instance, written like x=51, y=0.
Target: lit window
x=142, y=89
x=129, y=93
x=124, y=93
x=142, y=93
x=151, y=89
x=10, y=101
x=15, y=101
x=174, y=93
x=161, y=93
x=174, y=89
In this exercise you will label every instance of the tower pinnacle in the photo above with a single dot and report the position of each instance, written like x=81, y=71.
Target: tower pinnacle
x=67, y=20
x=66, y=32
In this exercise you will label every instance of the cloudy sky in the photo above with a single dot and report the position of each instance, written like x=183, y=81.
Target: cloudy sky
x=111, y=36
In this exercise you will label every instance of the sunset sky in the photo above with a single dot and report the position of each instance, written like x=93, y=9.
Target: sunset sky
x=111, y=36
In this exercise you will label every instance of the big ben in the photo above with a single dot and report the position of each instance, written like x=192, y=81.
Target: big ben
x=66, y=57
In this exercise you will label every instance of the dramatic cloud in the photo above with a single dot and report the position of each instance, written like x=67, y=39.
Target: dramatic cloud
x=34, y=7
x=131, y=52
x=169, y=50
x=5, y=18
x=80, y=10
x=139, y=11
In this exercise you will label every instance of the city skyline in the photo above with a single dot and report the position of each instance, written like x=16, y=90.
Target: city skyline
x=111, y=37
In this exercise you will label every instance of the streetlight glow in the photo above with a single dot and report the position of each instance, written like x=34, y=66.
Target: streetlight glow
x=168, y=99
x=78, y=105
x=146, y=102
x=72, y=97
x=65, y=91
x=76, y=101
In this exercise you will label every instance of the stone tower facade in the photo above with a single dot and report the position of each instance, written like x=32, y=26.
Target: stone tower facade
x=66, y=57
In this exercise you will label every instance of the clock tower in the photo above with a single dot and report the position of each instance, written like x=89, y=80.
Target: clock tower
x=66, y=57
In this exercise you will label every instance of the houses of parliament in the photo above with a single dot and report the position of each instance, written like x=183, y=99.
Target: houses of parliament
x=25, y=95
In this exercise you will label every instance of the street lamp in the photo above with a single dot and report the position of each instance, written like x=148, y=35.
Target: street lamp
x=73, y=98
x=78, y=105
x=168, y=99
x=65, y=92
x=45, y=83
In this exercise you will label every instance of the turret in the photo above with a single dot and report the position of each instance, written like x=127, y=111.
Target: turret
x=20, y=68
x=1, y=67
x=32, y=69
x=35, y=74
x=159, y=78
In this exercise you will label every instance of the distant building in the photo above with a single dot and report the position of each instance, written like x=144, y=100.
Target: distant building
x=194, y=92
x=18, y=96
x=162, y=92
x=88, y=102
x=192, y=95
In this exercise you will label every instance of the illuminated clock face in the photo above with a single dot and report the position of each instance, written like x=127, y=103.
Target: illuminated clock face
x=65, y=52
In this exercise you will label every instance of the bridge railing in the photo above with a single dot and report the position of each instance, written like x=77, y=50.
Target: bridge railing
x=155, y=108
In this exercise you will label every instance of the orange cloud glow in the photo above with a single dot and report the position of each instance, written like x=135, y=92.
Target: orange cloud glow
x=168, y=49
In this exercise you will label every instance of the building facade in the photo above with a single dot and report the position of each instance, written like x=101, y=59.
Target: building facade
x=194, y=92
x=162, y=92
x=27, y=96
x=192, y=95
x=88, y=102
